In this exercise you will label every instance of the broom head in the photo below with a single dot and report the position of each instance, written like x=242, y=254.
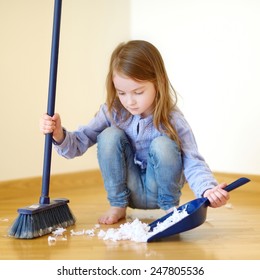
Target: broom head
x=40, y=219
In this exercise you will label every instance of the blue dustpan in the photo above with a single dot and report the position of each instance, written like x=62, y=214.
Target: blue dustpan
x=197, y=213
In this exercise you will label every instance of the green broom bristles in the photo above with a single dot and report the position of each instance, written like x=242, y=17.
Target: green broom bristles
x=40, y=219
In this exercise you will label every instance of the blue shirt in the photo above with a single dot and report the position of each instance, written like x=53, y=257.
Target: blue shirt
x=141, y=132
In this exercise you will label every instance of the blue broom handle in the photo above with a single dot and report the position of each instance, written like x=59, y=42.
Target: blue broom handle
x=44, y=199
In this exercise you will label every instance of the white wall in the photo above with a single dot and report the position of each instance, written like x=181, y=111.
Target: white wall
x=211, y=50
x=89, y=32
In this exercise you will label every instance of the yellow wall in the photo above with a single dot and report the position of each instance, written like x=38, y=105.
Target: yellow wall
x=89, y=32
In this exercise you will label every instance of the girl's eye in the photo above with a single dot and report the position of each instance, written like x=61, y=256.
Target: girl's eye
x=139, y=93
x=120, y=93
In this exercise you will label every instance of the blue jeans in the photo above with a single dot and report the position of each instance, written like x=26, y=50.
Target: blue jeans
x=127, y=184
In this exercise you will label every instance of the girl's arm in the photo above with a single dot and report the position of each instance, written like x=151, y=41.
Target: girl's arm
x=70, y=144
x=197, y=172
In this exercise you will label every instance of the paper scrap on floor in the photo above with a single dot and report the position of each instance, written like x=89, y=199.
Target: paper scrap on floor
x=134, y=231
x=138, y=231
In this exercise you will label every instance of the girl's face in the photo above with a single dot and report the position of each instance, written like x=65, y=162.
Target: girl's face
x=136, y=96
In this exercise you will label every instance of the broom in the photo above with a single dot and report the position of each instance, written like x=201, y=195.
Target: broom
x=47, y=215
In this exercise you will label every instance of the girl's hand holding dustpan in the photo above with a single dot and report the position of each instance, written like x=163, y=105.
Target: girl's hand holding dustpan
x=217, y=196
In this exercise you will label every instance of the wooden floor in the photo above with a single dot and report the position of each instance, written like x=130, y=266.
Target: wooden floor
x=231, y=232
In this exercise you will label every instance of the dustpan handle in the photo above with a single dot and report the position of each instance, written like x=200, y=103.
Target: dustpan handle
x=239, y=182
x=44, y=199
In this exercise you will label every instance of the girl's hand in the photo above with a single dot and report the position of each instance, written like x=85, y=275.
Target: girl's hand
x=217, y=196
x=52, y=125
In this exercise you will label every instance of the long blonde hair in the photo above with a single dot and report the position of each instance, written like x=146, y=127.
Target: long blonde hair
x=141, y=61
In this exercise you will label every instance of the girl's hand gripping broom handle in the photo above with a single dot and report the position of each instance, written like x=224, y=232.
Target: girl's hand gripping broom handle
x=44, y=199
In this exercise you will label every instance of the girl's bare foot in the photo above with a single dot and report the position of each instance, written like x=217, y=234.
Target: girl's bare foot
x=112, y=216
x=169, y=210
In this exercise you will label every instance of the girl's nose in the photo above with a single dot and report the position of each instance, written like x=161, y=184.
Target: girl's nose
x=131, y=100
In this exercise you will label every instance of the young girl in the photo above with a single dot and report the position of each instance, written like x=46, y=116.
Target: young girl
x=146, y=148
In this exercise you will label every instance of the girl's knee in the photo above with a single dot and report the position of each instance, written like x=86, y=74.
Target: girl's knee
x=109, y=139
x=111, y=132
x=110, y=135
x=165, y=149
